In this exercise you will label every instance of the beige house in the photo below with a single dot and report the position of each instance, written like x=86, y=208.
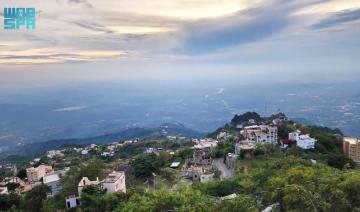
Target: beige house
x=35, y=174
x=86, y=182
x=351, y=147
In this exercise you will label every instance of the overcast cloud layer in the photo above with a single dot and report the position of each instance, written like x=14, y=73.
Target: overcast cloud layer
x=260, y=36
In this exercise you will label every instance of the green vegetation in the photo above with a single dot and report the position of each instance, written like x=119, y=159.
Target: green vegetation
x=223, y=147
x=295, y=183
x=293, y=179
x=92, y=169
x=12, y=186
x=33, y=199
x=21, y=173
x=144, y=165
x=7, y=201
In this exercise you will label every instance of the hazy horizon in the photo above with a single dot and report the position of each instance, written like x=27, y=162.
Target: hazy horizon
x=196, y=62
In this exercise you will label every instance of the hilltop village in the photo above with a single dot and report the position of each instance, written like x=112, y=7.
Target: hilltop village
x=250, y=164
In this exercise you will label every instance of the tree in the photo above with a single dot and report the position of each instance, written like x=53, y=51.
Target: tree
x=12, y=186
x=93, y=198
x=48, y=205
x=21, y=174
x=350, y=184
x=223, y=148
x=220, y=188
x=339, y=161
x=244, y=203
x=185, y=153
x=309, y=189
x=9, y=200
x=163, y=159
x=32, y=200
x=185, y=199
x=144, y=165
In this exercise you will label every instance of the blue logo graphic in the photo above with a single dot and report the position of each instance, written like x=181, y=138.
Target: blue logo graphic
x=17, y=18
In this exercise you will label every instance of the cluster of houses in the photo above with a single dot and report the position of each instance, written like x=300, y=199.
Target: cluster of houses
x=114, y=182
x=24, y=186
x=35, y=176
x=109, y=151
x=44, y=174
x=261, y=134
x=199, y=168
x=55, y=153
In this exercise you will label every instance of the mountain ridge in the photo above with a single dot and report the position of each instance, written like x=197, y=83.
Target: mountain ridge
x=175, y=129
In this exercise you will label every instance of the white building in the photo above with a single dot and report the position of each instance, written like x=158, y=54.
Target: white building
x=72, y=201
x=304, y=141
x=206, y=143
x=86, y=182
x=3, y=190
x=114, y=182
x=53, y=181
x=84, y=152
x=260, y=134
x=106, y=154
x=53, y=153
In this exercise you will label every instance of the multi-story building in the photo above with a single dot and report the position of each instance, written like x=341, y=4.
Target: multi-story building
x=35, y=174
x=260, y=134
x=351, y=147
x=303, y=140
x=202, y=150
x=114, y=182
x=53, y=181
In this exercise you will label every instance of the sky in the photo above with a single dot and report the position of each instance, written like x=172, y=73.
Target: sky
x=254, y=41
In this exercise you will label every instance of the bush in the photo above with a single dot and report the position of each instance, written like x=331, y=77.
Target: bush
x=339, y=161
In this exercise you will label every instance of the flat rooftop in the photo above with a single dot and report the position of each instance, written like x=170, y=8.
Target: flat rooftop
x=351, y=140
x=113, y=177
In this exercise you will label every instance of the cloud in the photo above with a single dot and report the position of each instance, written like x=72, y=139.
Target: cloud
x=70, y=109
x=164, y=30
x=84, y=2
x=243, y=27
x=250, y=25
x=34, y=38
x=54, y=55
x=338, y=18
x=92, y=26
